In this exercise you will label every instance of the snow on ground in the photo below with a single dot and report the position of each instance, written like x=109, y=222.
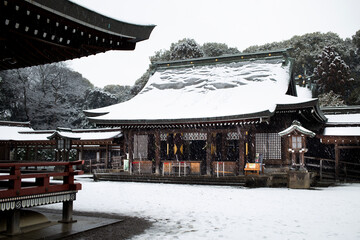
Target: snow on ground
x=218, y=212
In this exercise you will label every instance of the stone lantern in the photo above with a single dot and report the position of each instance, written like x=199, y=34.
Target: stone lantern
x=63, y=145
x=297, y=134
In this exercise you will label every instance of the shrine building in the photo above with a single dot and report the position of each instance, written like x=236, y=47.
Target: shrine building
x=214, y=111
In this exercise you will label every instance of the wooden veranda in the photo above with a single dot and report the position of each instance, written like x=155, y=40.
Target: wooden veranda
x=21, y=186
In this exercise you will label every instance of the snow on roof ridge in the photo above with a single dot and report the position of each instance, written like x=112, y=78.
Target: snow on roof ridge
x=281, y=53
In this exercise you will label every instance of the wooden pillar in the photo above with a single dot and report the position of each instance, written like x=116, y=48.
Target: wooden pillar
x=157, y=152
x=241, y=154
x=107, y=156
x=98, y=156
x=36, y=153
x=63, y=155
x=302, y=159
x=285, y=154
x=81, y=156
x=57, y=155
x=293, y=159
x=246, y=146
x=208, y=153
x=131, y=150
x=15, y=153
x=252, y=141
x=223, y=146
x=67, y=212
x=13, y=222
x=337, y=156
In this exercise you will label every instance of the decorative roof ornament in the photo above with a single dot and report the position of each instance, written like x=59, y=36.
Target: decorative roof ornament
x=296, y=126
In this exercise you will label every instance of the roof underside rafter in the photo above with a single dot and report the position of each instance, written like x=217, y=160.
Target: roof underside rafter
x=45, y=31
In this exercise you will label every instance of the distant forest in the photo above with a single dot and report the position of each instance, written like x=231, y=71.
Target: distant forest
x=53, y=95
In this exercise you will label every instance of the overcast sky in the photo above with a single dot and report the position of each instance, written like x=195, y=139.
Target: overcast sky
x=238, y=23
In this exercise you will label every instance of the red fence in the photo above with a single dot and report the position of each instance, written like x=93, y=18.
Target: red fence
x=12, y=183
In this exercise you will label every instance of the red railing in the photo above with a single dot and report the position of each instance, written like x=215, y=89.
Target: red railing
x=12, y=184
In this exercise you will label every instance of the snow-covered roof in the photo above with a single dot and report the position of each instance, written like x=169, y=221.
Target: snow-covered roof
x=342, y=131
x=89, y=135
x=20, y=133
x=345, y=125
x=219, y=89
x=341, y=119
x=26, y=133
x=296, y=126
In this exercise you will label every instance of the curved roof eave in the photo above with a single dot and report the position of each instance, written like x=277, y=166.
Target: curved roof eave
x=314, y=103
x=92, y=19
x=259, y=115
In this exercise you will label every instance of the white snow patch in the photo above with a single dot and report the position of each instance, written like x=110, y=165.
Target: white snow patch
x=214, y=212
x=342, y=131
x=9, y=133
x=343, y=118
x=303, y=92
x=15, y=133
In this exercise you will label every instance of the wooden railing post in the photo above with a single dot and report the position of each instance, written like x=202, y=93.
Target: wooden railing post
x=15, y=184
x=321, y=169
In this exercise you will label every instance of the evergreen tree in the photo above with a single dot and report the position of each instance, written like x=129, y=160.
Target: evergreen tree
x=306, y=48
x=122, y=93
x=212, y=49
x=97, y=98
x=332, y=73
x=330, y=99
x=185, y=49
x=162, y=55
x=356, y=41
x=140, y=83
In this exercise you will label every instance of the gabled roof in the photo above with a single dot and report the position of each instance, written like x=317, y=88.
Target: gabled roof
x=297, y=127
x=89, y=134
x=209, y=90
x=200, y=90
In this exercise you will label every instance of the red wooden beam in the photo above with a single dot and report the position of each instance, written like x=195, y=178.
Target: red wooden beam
x=16, y=187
